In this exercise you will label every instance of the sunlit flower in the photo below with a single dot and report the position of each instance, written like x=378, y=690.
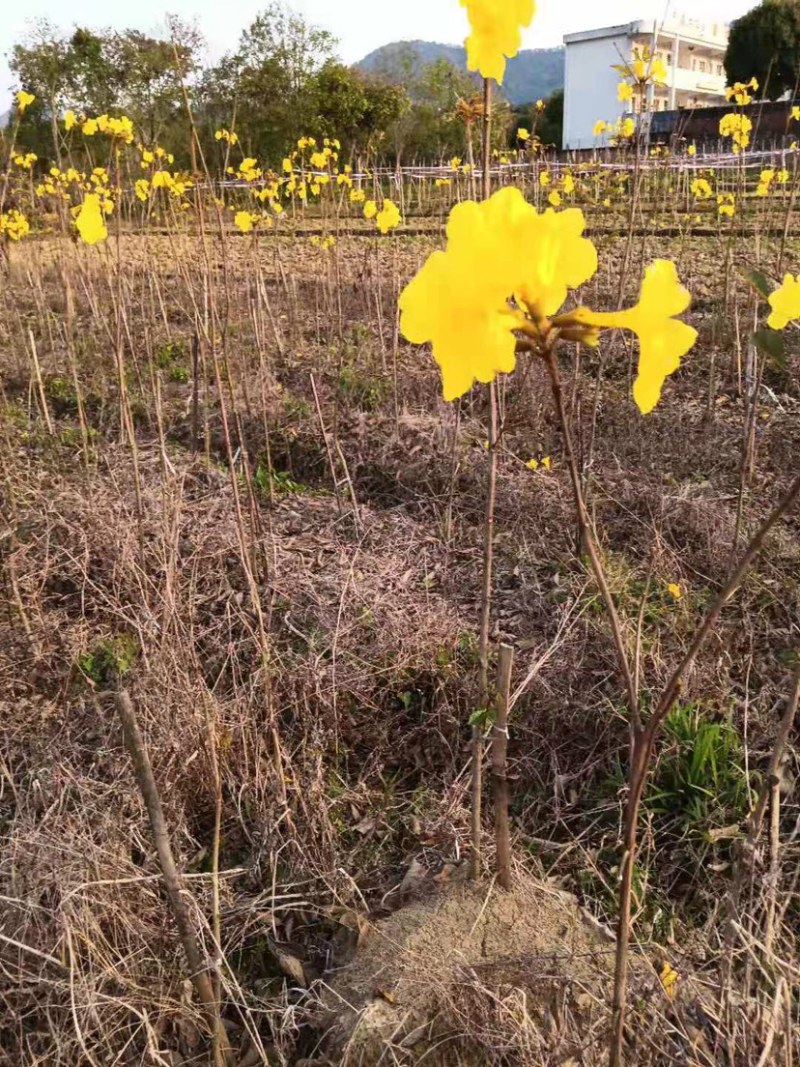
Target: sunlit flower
x=669, y=979
x=496, y=35
x=554, y=198
x=691, y=150
x=726, y=204
x=370, y=209
x=388, y=218
x=544, y=179
x=785, y=303
x=701, y=189
x=739, y=92
x=14, y=225
x=737, y=127
x=24, y=100
x=459, y=300
x=599, y=128
x=90, y=220
x=624, y=92
x=523, y=134
x=244, y=221
x=674, y=590
x=663, y=338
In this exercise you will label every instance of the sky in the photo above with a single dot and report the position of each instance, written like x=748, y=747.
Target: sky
x=360, y=25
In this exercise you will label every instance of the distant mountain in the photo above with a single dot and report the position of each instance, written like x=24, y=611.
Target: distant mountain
x=532, y=75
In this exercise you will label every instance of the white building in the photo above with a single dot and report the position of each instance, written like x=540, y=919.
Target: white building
x=693, y=52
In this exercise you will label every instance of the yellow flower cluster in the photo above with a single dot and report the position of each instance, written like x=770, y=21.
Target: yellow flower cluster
x=701, y=189
x=737, y=127
x=14, y=225
x=739, y=92
x=644, y=68
x=785, y=303
x=90, y=219
x=323, y=243
x=245, y=221
x=766, y=178
x=120, y=129
x=227, y=136
x=496, y=33
x=24, y=101
x=726, y=205
x=27, y=161
x=388, y=218
x=503, y=248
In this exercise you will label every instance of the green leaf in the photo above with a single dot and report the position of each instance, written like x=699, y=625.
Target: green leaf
x=482, y=717
x=770, y=342
x=758, y=281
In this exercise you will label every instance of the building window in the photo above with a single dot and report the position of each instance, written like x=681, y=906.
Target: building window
x=702, y=66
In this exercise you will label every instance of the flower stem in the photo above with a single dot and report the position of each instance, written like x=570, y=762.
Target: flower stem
x=488, y=549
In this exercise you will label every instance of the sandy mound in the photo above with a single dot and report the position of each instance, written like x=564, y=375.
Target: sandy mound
x=474, y=975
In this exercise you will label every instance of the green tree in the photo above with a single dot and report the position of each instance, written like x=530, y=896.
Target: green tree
x=550, y=124
x=267, y=84
x=765, y=44
x=355, y=107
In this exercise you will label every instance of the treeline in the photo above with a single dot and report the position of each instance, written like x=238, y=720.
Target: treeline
x=281, y=82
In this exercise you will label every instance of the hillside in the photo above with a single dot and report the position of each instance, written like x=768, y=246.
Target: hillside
x=531, y=75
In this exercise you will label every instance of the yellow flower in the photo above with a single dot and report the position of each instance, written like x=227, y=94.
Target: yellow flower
x=540, y=105
x=70, y=120
x=90, y=221
x=669, y=979
x=358, y=196
x=785, y=303
x=24, y=100
x=796, y=113
x=370, y=209
x=691, y=150
x=737, y=127
x=496, y=33
x=544, y=179
x=726, y=204
x=783, y=176
x=142, y=188
x=495, y=249
x=599, y=128
x=701, y=189
x=674, y=590
x=663, y=338
x=624, y=92
x=523, y=134
x=658, y=71
x=439, y=182
x=554, y=198
x=243, y=221
x=455, y=162
x=532, y=464
x=14, y=225
x=568, y=184
x=89, y=127
x=388, y=218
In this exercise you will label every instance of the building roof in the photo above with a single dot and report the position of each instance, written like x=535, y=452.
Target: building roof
x=688, y=29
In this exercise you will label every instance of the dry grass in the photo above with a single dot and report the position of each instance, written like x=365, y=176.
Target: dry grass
x=324, y=654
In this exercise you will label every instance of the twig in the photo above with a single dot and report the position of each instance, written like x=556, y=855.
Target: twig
x=502, y=836
x=134, y=742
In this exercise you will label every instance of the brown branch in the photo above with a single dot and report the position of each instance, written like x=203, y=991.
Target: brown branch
x=199, y=971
